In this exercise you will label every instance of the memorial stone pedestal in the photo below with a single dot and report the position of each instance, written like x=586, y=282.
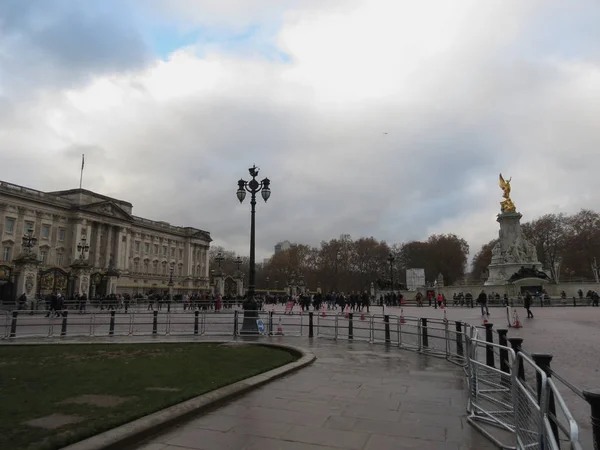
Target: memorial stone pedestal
x=80, y=271
x=26, y=271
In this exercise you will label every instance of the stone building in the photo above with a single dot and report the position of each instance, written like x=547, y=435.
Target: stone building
x=139, y=252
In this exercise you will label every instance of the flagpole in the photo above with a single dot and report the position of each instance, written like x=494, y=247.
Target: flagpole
x=81, y=175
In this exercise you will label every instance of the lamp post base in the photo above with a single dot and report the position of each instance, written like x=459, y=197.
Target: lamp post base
x=249, y=325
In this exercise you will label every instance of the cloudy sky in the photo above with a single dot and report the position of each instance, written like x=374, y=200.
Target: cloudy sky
x=371, y=117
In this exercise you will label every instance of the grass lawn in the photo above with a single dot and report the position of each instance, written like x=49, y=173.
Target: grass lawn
x=35, y=382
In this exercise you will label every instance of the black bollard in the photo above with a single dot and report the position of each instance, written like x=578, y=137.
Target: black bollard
x=517, y=345
x=154, y=322
x=13, y=324
x=236, y=319
x=271, y=323
x=543, y=361
x=386, y=321
x=111, y=326
x=350, y=327
x=196, y=315
x=593, y=398
x=489, y=350
x=459, y=338
x=574, y=302
x=504, y=367
x=310, y=324
x=424, y=335
x=63, y=328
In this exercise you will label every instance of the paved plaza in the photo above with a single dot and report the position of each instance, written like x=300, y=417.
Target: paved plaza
x=355, y=396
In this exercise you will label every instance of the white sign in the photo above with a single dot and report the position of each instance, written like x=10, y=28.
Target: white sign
x=415, y=279
x=261, y=326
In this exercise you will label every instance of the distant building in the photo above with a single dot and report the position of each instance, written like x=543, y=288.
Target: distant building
x=283, y=246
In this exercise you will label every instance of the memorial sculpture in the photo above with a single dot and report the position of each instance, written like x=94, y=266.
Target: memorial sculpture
x=507, y=205
x=513, y=252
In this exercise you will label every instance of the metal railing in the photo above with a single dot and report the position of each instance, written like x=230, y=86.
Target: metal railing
x=510, y=393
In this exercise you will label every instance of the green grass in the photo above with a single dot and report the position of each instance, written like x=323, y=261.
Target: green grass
x=34, y=380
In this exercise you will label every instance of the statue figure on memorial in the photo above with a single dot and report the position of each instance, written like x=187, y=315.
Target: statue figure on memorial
x=507, y=205
x=496, y=251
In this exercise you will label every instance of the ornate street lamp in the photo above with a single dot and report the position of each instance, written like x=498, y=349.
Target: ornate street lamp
x=267, y=283
x=391, y=260
x=29, y=241
x=171, y=269
x=219, y=258
x=253, y=187
x=238, y=263
x=83, y=247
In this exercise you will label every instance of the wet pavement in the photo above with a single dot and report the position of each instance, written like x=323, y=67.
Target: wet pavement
x=355, y=396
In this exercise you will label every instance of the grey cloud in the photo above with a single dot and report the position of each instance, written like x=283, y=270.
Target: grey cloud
x=54, y=43
x=332, y=170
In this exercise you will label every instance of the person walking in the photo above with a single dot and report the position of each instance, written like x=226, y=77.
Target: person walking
x=482, y=300
x=527, y=304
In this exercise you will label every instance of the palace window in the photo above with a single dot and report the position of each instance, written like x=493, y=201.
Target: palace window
x=43, y=256
x=45, y=231
x=10, y=225
x=61, y=234
x=136, y=263
x=59, y=259
x=137, y=246
x=180, y=253
x=6, y=254
x=145, y=266
x=164, y=268
x=155, y=267
x=156, y=249
x=164, y=252
x=146, y=247
x=172, y=252
x=180, y=270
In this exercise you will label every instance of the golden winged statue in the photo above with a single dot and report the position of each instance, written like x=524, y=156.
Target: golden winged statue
x=507, y=205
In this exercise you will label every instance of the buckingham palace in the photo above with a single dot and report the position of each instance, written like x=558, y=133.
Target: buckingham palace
x=76, y=229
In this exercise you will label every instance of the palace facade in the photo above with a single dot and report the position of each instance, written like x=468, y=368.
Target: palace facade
x=142, y=251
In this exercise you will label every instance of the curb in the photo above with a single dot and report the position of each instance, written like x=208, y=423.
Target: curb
x=134, y=432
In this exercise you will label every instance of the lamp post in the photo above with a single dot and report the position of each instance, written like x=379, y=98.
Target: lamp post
x=238, y=262
x=171, y=269
x=253, y=187
x=83, y=247
x=267, y=283
x=219, y=258
x=391, y=260
x=29, y=241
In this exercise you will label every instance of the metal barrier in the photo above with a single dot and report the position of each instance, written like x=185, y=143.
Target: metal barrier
x=490, y=389
x=509, y=391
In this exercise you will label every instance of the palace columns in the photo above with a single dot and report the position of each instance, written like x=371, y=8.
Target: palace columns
x=97, y=248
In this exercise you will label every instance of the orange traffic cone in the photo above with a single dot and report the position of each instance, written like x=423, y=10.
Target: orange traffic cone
x=347, y=316
x=516, y=321
x=485, y=319
x=362, y=316
x=402, y=316
x=279, y=328
x=445, y=317
x=323, y=312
